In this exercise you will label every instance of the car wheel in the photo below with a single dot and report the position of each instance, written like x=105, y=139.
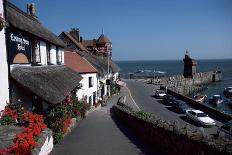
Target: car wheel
x=199, y=123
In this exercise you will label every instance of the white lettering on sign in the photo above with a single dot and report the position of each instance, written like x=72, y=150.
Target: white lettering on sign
x=21, y=42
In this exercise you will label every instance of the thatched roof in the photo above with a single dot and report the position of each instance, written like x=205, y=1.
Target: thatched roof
x=25, y=22
x=100, y=63
x=51, y=83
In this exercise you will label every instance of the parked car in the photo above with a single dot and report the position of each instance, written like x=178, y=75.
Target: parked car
x=160, y=93
x=216, y=99
x=229, y=101
x=225, y=130
x=200, y=117
x=228, y=92
x=168, y=98
x=180, y=105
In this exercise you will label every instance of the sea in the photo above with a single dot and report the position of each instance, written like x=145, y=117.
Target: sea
x=174, y=67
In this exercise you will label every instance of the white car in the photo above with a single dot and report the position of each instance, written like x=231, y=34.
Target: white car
x=200, y=117
x=160, y=93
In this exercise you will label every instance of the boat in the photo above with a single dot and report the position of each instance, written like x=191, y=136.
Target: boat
x=216, y=99
x=199, y=98
x=228, y=92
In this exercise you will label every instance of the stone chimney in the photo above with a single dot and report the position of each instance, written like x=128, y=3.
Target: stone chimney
x=75, y=33
x=31, y=9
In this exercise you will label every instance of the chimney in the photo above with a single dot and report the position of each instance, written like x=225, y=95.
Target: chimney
x=31, y=9
x=75, y=33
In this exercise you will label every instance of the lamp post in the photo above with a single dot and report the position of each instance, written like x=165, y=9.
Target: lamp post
x=108, y=70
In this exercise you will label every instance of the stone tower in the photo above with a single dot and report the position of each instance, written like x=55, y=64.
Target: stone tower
x=189, y=66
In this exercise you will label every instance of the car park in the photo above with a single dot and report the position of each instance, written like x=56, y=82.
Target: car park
x=180, y=105
x=168, y=99
x=160, y=94
x=225, y=130
x=200, y=118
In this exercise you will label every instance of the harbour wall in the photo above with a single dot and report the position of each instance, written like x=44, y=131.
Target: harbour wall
x=164, y=137
x=187, y=86
x=180, y=84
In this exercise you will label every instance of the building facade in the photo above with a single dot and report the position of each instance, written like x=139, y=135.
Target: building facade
x=38, y=76
x=89, y=83
x=4, y=91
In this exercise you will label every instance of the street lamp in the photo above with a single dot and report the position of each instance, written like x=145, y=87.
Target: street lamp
x=108, y=70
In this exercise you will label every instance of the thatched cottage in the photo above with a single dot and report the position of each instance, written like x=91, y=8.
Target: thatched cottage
x=38, y=76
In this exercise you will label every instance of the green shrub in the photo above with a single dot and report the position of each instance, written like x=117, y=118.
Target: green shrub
x=57, y=137
x=143, y=114
x=7, y=120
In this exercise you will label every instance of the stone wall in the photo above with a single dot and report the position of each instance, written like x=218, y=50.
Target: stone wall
x=165, y=137
x=188, y=86
x=45, y=143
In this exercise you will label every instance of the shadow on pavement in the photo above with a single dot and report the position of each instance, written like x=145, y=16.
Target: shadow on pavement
x=141, y=146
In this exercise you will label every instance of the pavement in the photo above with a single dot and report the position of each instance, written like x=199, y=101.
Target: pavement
x=99, y=133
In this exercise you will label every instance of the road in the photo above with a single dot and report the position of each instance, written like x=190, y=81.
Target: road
x=143, y=95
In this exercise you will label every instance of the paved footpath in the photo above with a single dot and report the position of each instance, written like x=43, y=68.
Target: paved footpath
x=99, y=134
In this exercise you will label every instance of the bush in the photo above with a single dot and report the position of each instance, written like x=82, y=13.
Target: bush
x=8, y=116
x=57, y=137
x=7, y=120
x=143, y=114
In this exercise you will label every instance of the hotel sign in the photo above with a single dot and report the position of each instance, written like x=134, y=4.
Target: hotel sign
x=18, y=44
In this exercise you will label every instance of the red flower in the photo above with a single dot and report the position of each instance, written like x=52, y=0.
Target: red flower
x=25, y=141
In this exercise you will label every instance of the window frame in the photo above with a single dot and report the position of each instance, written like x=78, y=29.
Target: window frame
x=58, y=58
x=91, y=82
x=48, y=50
x=36, y=46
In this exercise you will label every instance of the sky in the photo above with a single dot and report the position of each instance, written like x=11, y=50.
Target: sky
x=145, y=29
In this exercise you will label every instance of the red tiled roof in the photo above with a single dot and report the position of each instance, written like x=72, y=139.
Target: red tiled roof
x=78, y=63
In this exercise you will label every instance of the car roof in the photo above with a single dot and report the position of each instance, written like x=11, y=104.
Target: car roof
x=197, y=111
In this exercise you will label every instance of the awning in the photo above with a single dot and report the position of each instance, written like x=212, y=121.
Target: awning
x=51, y=83
x=121, y=83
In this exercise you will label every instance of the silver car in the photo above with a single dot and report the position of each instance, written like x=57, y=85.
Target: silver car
x=200, y=118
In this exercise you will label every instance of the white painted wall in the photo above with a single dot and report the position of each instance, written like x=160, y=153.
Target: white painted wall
x=4, y=92
x=85, y=90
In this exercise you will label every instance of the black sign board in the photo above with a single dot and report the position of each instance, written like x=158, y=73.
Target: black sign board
x=17, y=43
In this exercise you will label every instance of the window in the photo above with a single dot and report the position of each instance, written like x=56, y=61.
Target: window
x=36, y=51
x=58, y=55
x=48, y=48
x=68, y=43
x=90, y=100
x=90, y=82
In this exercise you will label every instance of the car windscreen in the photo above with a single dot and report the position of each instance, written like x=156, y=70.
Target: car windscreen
x=201, y=115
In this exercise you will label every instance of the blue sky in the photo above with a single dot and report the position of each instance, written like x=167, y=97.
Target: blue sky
x=145, y=29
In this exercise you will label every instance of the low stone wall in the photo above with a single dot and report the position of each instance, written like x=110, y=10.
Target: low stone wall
x=210, y=111
x=45, y=143
x=169, y=138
